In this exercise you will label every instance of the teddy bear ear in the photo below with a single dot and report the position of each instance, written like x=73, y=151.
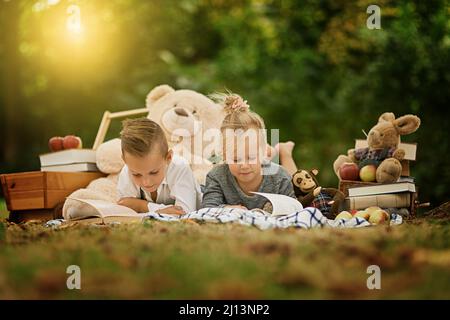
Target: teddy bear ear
x=315, y=172
x=407, y=124
x=157, y=93
x=386, y=117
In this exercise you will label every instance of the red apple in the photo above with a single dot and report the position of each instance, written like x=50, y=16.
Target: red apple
x=368, y=173
x=72, y=142
x=349, y=171
x=55, y=144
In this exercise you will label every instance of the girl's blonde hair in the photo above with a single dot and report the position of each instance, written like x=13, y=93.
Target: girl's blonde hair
x=237, y=112
x=239, y=117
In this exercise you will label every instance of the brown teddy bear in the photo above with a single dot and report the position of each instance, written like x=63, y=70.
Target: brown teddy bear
x=382, y=151
x=308, y=191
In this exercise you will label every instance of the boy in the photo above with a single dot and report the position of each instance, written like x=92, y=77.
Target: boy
x=153, y=178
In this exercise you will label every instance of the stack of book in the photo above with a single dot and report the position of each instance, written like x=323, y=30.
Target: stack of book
x=391, y=195
x=70, y=160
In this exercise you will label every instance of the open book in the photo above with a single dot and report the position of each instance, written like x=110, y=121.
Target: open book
x=100, y=211
x=281, y=204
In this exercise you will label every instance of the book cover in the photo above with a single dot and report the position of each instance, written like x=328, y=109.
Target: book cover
x=73, y=167
x=382, y=189
x=397, y=200
x=67, y=157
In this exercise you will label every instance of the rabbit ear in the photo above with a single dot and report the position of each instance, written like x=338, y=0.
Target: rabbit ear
x=387, y=116
x=407, y=124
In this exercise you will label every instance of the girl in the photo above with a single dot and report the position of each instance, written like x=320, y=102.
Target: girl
x=245, y=170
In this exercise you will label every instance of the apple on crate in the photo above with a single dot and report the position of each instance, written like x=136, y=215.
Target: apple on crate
x=349, y=171
x=368, y=173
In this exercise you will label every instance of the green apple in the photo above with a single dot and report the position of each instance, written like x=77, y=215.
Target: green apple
x=362, y=214
x=345, y=215
x=379, y=217
x=368, y=173
x=372, y=209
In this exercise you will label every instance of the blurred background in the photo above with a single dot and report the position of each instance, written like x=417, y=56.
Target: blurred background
x=311, y=68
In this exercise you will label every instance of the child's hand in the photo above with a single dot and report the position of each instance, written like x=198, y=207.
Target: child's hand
x=237, y=206
x=172, y=210
x=137, y=205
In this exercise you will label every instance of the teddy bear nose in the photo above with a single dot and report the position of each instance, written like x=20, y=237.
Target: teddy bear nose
x=181, y=112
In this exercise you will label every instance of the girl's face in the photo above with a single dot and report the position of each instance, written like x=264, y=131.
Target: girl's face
x=149, y=171
x=244, y=156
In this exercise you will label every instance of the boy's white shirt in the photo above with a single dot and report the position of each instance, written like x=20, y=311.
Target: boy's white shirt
x=179, y=187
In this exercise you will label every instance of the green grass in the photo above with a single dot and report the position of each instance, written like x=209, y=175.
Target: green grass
x=3, y=211
x=186, y=260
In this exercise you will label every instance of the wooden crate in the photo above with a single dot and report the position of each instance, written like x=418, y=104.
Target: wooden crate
x=42, y=192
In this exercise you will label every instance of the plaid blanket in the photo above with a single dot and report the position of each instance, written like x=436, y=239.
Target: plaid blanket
x=307, y=218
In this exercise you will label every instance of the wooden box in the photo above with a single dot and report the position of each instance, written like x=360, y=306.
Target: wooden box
x=40, y=192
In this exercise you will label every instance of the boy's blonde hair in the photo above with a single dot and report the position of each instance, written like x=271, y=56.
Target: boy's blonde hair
x=141, y=135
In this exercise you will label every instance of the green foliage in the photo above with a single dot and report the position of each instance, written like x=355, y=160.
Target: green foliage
x=311, y=68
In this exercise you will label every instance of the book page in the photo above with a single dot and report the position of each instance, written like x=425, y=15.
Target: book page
x=281, y=204
x=105, y=209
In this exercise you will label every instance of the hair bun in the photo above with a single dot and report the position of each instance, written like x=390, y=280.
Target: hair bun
x=235, y=103
x=231, y=102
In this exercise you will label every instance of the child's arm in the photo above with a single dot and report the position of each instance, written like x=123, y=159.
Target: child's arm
x=129, y=196
x=142, y=206
x=185, y=190
x=137, y=205
x=286, y=186
x=213, y=195
x=125, y=187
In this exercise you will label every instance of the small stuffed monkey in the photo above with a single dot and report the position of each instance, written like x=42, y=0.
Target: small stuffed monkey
x=311, y=194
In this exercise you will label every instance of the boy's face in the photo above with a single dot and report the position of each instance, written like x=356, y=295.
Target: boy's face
x=149, y=171
x=245, y=160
